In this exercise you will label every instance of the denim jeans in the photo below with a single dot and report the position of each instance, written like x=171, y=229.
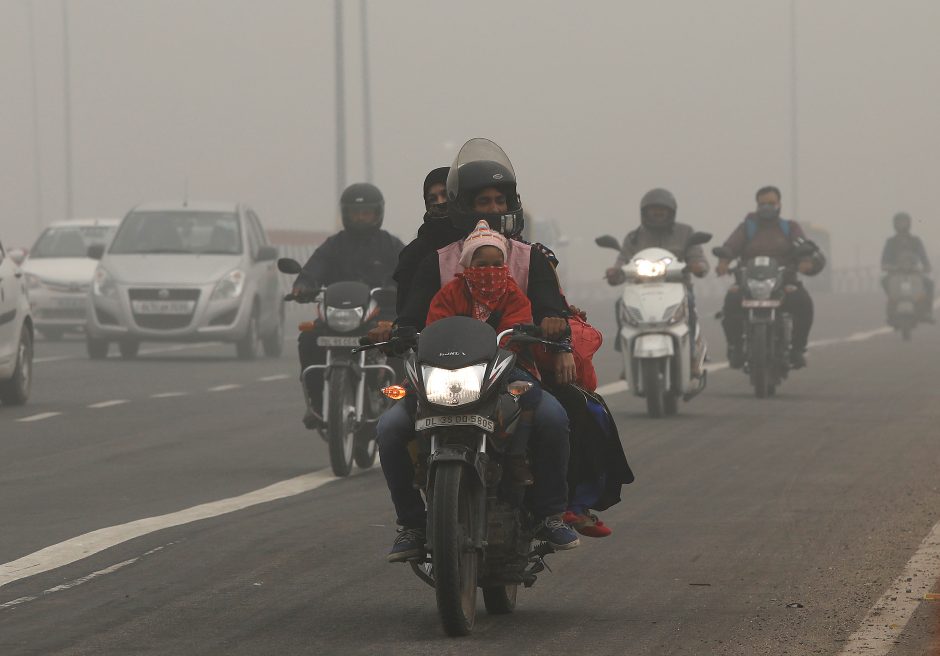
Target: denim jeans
x=548, y=445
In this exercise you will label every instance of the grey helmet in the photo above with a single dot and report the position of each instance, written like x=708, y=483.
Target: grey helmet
x=658, y=198
x=902, y=222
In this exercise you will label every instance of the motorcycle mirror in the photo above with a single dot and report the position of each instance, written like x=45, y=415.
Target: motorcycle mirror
x=606, y=241
x=722, y=253
x=699, y=238
x=288, y=265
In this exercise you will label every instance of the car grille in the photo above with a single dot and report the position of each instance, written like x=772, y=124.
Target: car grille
x=163, y=321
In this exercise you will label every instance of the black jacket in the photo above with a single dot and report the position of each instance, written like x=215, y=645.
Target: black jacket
x=368, y=258
x=433, y=234
x=543, y=291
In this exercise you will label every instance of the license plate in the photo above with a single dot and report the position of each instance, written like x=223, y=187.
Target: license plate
x=328, y=341
x=71, y=303
x=163, y=307
x=752, y=303
x=455, y=420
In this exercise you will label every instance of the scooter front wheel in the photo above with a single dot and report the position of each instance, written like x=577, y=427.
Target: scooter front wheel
x=653, y=388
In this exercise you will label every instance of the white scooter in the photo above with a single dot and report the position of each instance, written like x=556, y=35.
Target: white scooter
x=654, y=332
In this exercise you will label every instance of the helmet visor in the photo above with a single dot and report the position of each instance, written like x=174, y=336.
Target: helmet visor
x=486, y=152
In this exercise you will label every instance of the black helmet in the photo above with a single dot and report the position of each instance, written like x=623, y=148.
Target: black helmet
x=902, y=222
x=362, y=196
x=658, y=198
x=481, y=164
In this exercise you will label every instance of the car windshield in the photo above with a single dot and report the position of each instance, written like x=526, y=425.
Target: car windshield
x=196, y=233
x=70, y=241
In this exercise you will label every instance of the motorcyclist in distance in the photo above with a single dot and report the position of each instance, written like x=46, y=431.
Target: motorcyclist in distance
x=902, y=247
x=361, y=251
x=764, y=233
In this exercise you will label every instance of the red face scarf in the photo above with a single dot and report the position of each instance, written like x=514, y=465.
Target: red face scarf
x=488, y=286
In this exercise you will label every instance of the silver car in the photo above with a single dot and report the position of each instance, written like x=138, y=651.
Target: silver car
x=184, y=273
x=16, y=334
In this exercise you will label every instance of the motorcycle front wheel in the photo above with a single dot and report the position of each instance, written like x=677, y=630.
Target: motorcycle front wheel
x=455, y=560
x=653, y=387
x=759, y=360
x=340, y=429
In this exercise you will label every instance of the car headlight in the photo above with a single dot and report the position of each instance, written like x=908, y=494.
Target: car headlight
x=650, y=268
x=675, y=313
x=631, y=315
x=33, y=281
x=453, y=387
x=230, y=286
x=342, y=320
x=761, y=289
x=103, y=284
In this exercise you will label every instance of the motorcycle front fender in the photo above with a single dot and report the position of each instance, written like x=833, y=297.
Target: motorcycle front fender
x=653, y=345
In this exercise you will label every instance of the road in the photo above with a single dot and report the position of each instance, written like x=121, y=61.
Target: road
x=753, y=527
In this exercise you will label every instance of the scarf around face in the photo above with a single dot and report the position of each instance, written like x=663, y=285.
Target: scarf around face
x=488, y=286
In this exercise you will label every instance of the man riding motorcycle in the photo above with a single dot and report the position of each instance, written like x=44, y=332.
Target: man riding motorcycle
x=765, y=233
x=905, y=247
x=658, y=229
x=362, y=251
x=485, y=189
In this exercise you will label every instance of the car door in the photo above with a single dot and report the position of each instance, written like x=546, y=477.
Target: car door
x=9, y=302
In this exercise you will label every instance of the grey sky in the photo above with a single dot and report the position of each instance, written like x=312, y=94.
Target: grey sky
x=595, y=102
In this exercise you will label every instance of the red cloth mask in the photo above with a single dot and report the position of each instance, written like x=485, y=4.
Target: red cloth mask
x=488, y=286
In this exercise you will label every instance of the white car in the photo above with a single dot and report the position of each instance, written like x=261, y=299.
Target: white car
x=16, y=334
x=186, y=273
x=59, y=272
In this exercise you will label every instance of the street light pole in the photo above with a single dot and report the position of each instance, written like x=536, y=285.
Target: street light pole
x=67, y=92
x=340, y=101
x=794, y=117
x=366, y=88
x=37, y=152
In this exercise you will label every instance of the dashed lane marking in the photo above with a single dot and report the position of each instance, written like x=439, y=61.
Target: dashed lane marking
x=268, y=379
x=224, y=388
x=39, y=417
x=167, y=395
x=108, y=404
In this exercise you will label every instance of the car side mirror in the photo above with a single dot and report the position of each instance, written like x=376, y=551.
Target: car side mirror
x=266, y=254
x=699, y=238
x=606, y=241
x=96, y=251
x=288, y=265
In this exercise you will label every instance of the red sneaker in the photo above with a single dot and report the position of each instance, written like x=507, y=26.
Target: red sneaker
x=587, y=524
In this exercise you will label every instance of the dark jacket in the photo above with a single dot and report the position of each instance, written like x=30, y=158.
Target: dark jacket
x=368, y=258
x=433, y=234
x=770, y=240
x=901, y=245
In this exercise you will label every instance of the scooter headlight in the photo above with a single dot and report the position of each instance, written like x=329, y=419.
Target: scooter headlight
x=343, y=320
x=651, y=268
x=761, y=289
x=453, y=387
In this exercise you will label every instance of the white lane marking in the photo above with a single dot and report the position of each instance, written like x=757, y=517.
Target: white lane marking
x=268, y=379
x=224, y=388
x=883, y=624
x=88, y=544
x=615, y=387
x=167, y=395
x=39, y=417
x=70, y=584
x=54, y=358
x=108, y=404
x=152, y=351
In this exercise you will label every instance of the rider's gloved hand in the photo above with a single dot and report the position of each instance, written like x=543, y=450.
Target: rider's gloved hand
x=615, y=275
x=382, y=332
x=724, y=266
x=806, y=266
x=698, y=268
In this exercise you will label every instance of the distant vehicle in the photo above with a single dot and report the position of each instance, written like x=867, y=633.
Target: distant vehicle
x=59, y=272
x=186, y=273
x=16, y=334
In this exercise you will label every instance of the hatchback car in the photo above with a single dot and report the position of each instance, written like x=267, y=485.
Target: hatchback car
x=16, y=334
x=59, y=272
x=183, y=273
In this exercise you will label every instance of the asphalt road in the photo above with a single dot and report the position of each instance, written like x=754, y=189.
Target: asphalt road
x=753, y=526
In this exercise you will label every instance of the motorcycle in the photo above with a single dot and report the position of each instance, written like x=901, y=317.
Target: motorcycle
x=661, y=346
x=352, y=383
x=479, y=533
x=768, y=331
x=906, y=291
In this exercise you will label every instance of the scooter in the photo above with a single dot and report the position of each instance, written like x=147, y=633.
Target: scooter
x=664, y=352
x=904, y=285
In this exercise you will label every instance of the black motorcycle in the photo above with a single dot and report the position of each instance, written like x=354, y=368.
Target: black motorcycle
x=352, y=382
x=479, y=533
x=767, y=330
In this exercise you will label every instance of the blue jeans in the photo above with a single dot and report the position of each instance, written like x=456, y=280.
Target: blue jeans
x=548, y=445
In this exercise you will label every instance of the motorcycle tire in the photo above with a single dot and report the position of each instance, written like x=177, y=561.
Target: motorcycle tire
x=339, y=430
x=455, y=562
x=653, y=388
x=500, y=599
x=759, y=360
x=365, y=447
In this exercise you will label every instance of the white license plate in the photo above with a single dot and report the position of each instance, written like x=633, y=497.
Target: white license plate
x=455, y=420
x=752, y=303
x=328, y=341
x=70, y=303
x=163, y=307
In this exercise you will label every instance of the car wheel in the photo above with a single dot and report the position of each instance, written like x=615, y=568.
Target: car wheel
x=129, y=348
x=274, y=343
x=249, y=346
x=16, y=390
x=97, y=348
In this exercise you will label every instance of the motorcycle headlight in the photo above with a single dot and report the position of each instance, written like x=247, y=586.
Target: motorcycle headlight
x=230, y=286
x=103, y=284
x=453, y=387
x=33, y=281
x=631, y=315
x=675, y=313
x=761, y=289
x=650, y=268
x=342, y=320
